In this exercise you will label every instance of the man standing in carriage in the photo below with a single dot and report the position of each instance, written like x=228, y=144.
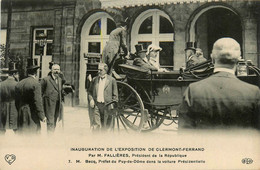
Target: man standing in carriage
x=116, y=46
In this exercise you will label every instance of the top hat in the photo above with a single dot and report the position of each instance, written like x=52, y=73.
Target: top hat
x=51, y=64
x=191, y=45
x=12, y=67
x=32, y=64
x=139, y=48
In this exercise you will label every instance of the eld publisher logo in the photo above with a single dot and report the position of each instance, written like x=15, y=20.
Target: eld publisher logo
x=247, y=161
x=10, y=158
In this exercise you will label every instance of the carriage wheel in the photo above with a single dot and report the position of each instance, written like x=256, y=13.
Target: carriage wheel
x=154, y=120
x=130, y=109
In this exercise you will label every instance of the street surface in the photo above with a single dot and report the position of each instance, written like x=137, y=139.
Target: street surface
x=76, y=122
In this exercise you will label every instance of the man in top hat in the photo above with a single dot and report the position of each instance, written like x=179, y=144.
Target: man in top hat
x=221, y=100
x=196, y=59
x=116, y=46
x=29, y=101
x=8, y=111
x=52, y=97
x=141, y=60
x=103, y=93
x=190, y=50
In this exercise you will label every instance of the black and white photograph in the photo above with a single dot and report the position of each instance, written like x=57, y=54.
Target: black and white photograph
x=130, y=84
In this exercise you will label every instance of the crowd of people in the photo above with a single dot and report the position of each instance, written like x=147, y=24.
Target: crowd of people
x=25, y=103
x=221, y=100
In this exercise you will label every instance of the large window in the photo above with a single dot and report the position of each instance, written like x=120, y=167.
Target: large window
x=154, y=26
x=99, y=27
x=43, y=52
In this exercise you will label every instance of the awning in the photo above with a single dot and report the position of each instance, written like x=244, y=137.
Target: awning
x=132, y=3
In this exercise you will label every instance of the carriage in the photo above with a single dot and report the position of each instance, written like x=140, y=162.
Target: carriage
x=146, y=99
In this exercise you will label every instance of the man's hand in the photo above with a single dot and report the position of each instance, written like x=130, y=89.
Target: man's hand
x=92, y=104
x=44, y=120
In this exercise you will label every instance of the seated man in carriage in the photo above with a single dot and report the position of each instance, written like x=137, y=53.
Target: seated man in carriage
x=141, y=60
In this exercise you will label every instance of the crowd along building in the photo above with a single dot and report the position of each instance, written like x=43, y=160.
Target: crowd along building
x=64, y=31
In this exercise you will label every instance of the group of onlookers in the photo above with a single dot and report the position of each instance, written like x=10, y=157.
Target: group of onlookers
x=27, y=102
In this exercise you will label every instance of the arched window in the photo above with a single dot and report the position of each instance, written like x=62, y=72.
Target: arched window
x=95, y=32
x=154, y=26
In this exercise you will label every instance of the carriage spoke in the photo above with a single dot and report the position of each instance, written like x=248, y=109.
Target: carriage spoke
x=135, y=118
x=126, y=100
x=123, y=123
x=128, y=123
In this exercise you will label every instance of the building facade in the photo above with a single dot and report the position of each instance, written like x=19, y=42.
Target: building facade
x=74, y=28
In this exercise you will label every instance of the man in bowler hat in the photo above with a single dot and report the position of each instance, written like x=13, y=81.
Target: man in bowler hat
x=8, y=111
x=116, y=46
x=29, y=101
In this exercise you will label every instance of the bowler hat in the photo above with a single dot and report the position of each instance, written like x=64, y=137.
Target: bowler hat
x=191, y=45
x=32, y=64
x=139, y=48
x=12, y=67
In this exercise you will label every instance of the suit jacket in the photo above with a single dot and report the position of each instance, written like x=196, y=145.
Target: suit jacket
x=116, y=44
x=222, y=100
x=110, y=89
x=52, y=97
x=144, y=64
x=8, y=111
x=29, y=104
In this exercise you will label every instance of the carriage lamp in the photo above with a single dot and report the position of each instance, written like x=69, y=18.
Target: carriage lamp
x=242, y=68
x=41, y=41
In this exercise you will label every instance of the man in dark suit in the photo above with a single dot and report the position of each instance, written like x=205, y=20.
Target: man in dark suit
x=8, y=111
x=222, y=100
x=29, y=101
x=102, y=93
x=141, y=60
x=52, y=97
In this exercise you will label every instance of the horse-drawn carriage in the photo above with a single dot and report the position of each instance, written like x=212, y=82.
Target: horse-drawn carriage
x=148, y=98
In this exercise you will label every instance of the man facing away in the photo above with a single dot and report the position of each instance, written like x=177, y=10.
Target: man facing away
x=52, y=97
x=29, y=101
x=8, y=111
x=102, y=93
x=221, y=100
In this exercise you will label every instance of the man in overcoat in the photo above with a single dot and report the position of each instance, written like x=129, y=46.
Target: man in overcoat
x=221, y=100
x=29, y=101
x=8, y=111
x=102, y=93
x=52, y=97
x=115, y=45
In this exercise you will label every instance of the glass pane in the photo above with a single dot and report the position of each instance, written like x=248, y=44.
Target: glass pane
x=49, y=49
x=166, y=55
x=111, y=25
x=94, y=47
x=165, y=25
x=38, y=32
x=38, y=50
x=95, y=28
x=146, y=26
x=145, y=43
x=50, y=34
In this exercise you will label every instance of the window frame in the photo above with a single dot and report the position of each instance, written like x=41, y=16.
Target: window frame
x=155, y=37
